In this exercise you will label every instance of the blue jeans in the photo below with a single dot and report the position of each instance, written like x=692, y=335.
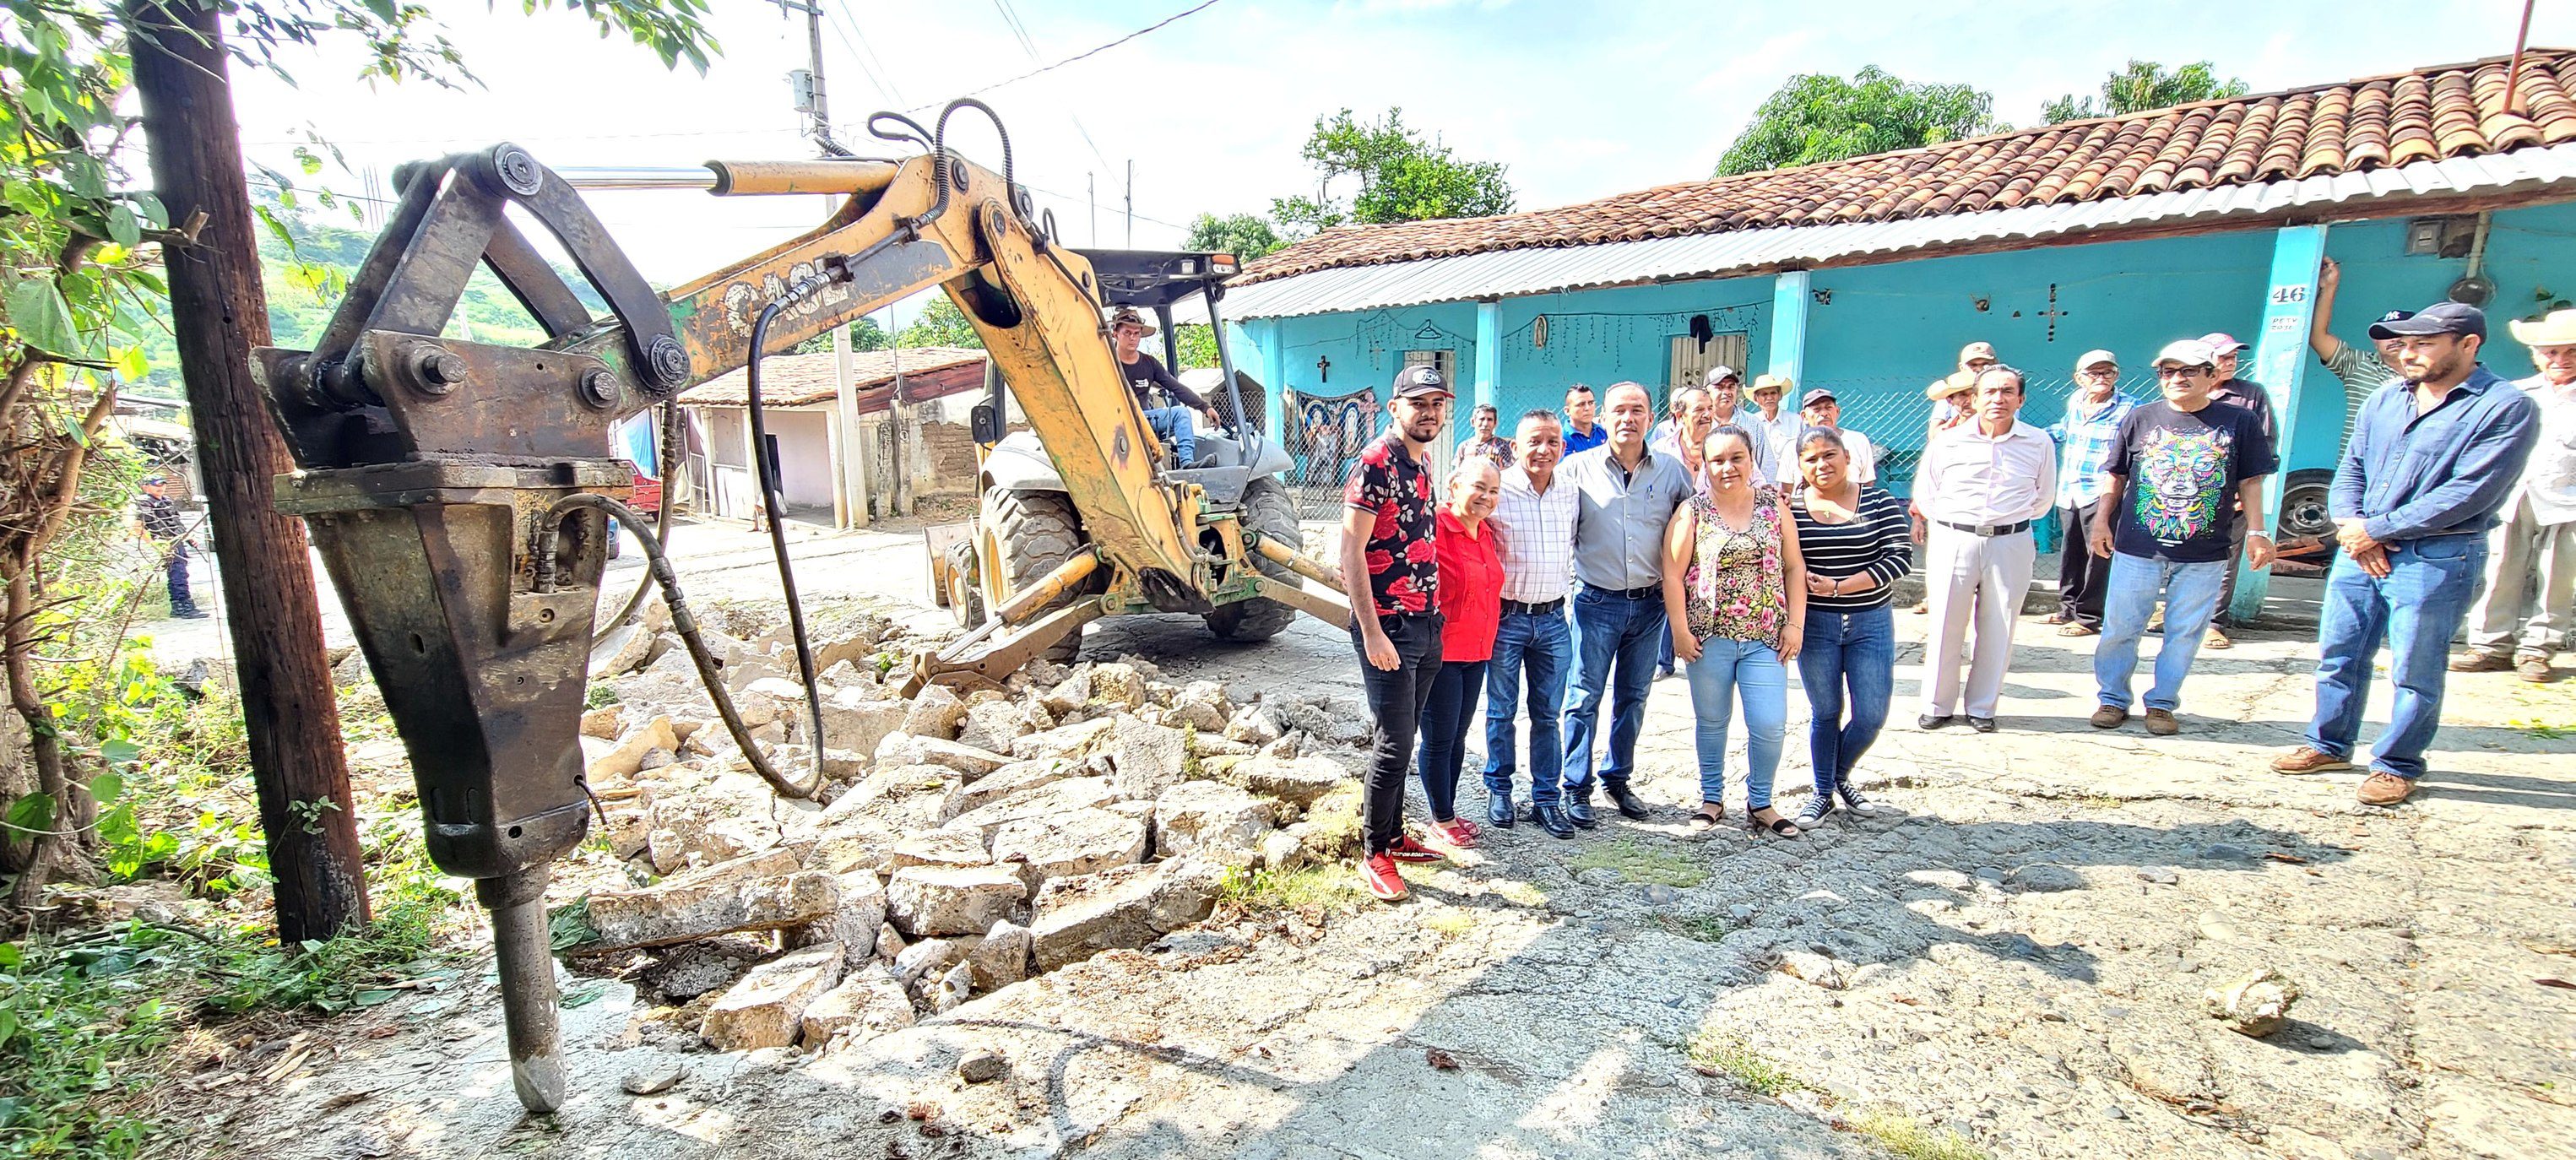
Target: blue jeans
x=2190, y=593
x=1540, y=648
x=1727, y=668
x=2416, y=608
x=1445, y=717
x=1852, y=652
x=1172, y=425
x=1615, y=638
x=175, y=575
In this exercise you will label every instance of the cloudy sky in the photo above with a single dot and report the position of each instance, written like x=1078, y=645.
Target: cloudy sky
x=1578, y=99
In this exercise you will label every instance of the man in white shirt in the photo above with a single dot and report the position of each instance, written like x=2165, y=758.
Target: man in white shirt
x=1768, y=423
x=1535, y=517
x=1983, y=482
x=2537, y=540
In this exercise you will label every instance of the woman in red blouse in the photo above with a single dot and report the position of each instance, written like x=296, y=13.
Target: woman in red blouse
x=1471, y=609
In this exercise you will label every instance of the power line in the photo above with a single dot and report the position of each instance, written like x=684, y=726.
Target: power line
x=1202, y=6
x=865, y=58
x=1020, y=29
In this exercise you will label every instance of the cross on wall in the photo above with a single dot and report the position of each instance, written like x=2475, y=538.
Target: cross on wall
x=2052, y=314
x=1323, y=368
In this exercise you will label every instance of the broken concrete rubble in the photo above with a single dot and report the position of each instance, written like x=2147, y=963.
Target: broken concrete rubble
x=767, y=1008
x=868, y=1003
x=627, y=757
x=1074, y=842
x=853, y=924
x=1148, y=758
x=901, y=748
x=1060, y=796
x=1213, y=820
x=763, y=891
x=947, y=900
x=1128, y=906
x=936, y=712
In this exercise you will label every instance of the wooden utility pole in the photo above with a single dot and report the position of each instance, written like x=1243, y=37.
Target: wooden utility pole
x=219, y=312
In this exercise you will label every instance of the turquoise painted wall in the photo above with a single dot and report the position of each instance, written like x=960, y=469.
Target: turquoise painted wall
x=1882, y=332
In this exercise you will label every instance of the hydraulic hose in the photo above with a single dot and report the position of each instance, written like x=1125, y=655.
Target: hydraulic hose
x=685, y=623
x=764, y=467
x=670, y=434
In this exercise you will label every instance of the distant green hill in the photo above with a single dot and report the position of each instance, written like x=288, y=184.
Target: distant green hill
x=303, y=291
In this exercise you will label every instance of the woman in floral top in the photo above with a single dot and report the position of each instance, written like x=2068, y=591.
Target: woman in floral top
x=1735, y=593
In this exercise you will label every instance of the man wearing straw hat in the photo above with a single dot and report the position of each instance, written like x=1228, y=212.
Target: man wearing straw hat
x=2531, y=556
x=1172, y=425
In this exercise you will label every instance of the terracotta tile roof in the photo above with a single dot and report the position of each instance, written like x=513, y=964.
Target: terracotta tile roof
x=2373, y=123
x=792, y=380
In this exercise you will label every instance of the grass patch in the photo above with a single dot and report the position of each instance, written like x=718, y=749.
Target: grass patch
x=1517, y=893
x=1639, y=864
x=1726, y=1055
x=1906, y=1138
x=2544, y=730
x=1336, y=818
x=1451, y=922
x=1328, y=888
x=1707, y=928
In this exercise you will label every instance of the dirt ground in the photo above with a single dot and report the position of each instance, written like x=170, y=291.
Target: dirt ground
x=2012, y=952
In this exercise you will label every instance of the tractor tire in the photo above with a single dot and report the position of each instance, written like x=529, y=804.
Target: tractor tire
x=1035, y=531
x=2303, y=506
x=1267, y=510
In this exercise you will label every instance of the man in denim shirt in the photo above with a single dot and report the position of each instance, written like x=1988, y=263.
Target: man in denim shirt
x=2431, y=461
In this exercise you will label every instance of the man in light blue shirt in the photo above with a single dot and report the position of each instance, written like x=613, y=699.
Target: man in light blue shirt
x=2431, y=461
x=1628, y=493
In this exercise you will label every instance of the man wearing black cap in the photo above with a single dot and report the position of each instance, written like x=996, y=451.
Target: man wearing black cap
x=2431, y=461
x=1392, y=580
x=161, y=524
x=2361, y=372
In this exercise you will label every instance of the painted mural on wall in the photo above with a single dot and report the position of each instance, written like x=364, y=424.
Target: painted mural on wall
x=1330, y=430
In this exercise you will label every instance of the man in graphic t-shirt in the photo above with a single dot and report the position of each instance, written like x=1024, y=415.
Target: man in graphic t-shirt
x=1145, y=373
x=2185, y=487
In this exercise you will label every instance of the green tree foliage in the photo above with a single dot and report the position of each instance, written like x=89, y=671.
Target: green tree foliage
x=2142, y=86
x=1403, y=177
x=942, y=324
x=1244, y=235
x=1816, y=118
x=865, y=334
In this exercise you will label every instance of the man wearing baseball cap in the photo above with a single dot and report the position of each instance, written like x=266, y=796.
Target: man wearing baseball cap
x=1391, y=576
x=160, y=523
x=2538, y=534
x=2419, y=486
x=1819, y=408
x=2235, y=392
x=2361, y=373
x=2085, y=439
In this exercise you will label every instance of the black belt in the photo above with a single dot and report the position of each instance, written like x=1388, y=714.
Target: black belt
x=1525, y=608
x=1649, y=592
x=1986, y=529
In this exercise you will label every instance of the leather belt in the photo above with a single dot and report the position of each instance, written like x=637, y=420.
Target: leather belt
x=1649, y=592
x=1986, y=529
x=1525, y=608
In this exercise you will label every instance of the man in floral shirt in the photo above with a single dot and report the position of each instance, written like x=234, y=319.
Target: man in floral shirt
x=1392, y=580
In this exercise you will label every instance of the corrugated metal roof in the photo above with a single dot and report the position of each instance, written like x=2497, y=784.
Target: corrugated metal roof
x=1507, y=273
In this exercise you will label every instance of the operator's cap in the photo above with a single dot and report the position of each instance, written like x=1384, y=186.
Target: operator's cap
x=1718, y=374
x=2095, y=358
x=154, y=480
x=1818, y=395
x=1421, y=380
x=2187, y=352
x=2439, y=318
x=1127, y=316
x=1974, y=350
x=1781, y=383
x=2221, y=342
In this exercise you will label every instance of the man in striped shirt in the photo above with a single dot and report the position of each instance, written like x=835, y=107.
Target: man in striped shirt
x=1535, y=516
x=2085, y=439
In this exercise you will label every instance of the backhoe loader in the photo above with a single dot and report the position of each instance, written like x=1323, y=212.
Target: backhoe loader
x=460, y=493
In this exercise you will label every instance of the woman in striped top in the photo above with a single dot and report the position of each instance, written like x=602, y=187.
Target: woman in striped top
x=1856, y=540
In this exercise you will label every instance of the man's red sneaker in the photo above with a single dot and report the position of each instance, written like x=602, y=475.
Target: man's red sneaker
x=1377, y=874
x=1406, y=849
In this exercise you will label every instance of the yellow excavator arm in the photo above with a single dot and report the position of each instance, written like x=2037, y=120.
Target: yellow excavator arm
x=460, y=492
